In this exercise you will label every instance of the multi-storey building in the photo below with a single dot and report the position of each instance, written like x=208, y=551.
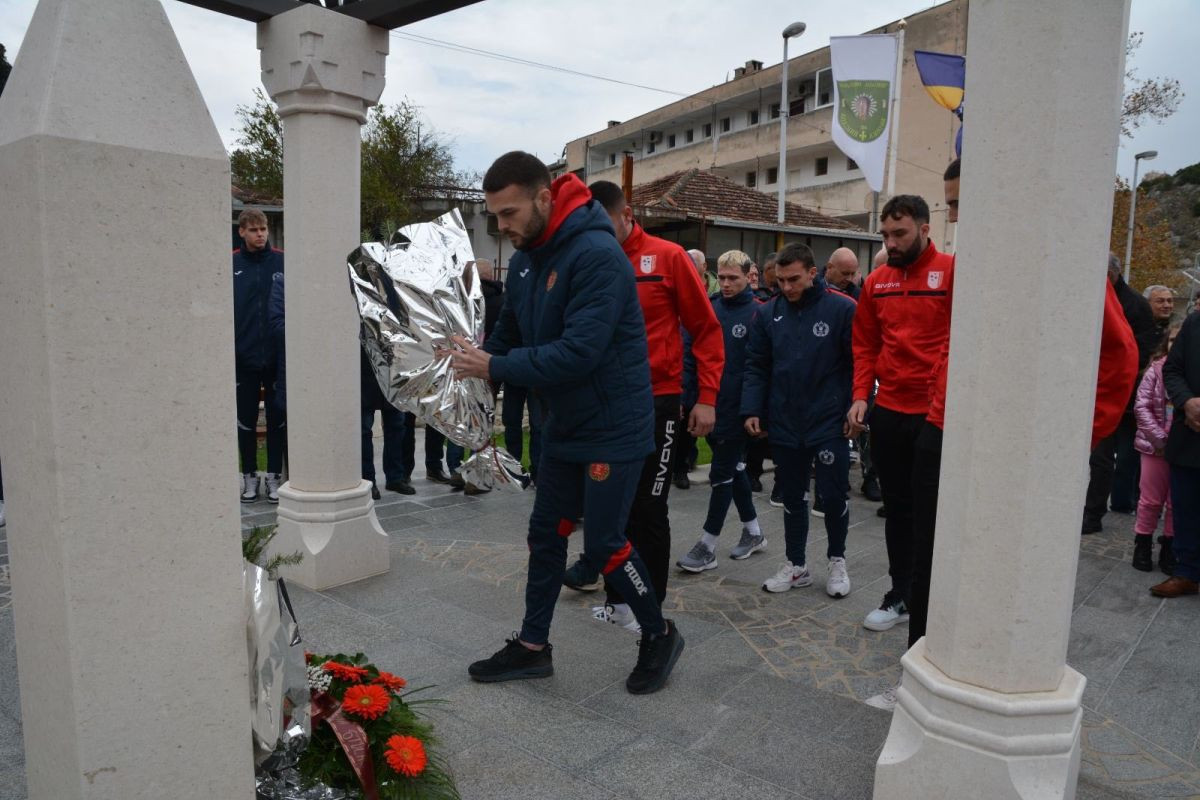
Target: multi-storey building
x=732, y=129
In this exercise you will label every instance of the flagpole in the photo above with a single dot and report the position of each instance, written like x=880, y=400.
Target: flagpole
x=895, y=112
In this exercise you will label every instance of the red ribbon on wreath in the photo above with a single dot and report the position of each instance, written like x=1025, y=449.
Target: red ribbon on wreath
x=356, y=746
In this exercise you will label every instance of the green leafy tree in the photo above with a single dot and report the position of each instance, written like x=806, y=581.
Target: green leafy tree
x=1151, y=99
x=402, y=162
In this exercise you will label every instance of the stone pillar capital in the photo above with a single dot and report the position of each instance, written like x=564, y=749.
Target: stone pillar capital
x=322, y=62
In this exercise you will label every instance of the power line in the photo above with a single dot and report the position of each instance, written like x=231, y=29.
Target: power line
x=462, y=48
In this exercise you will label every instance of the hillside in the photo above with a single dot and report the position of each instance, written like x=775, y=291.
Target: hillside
x=1178, y=200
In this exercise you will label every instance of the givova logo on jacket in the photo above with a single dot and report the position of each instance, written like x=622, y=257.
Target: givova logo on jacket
x=821, y=329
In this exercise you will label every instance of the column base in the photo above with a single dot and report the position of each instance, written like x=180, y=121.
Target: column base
x=337, y=532
x=951, y=740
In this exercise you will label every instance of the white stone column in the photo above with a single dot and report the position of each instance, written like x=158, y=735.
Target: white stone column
x=988, y=707
x=323, y=70
x=116, y=414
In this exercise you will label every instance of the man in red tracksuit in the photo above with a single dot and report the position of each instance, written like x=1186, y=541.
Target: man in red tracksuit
x=671, y=294
x=900, y=328
x=1118, y=369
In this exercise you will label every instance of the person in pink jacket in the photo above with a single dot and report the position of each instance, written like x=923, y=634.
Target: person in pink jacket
x=1153, y=413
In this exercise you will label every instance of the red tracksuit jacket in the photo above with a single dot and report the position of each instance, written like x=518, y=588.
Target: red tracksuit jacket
x=900, y=328
x=670, y=292
x=1114, y=381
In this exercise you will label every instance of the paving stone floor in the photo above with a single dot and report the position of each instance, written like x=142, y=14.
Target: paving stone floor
x=766, y=701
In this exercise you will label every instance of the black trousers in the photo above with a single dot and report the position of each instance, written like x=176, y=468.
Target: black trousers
x=649, y=528
x=249, y=383
x=1102, y=465
x=894, y=449
x=927, y=467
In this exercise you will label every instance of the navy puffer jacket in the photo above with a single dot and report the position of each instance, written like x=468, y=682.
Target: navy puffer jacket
x=736, y=315
x=799, y=366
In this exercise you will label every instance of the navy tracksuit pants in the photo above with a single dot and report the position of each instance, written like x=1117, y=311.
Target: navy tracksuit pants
x=792, y=466
x=564, y=489
x=730, y=483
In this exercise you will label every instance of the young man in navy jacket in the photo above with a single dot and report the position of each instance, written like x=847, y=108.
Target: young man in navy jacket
x=799, y=370
x=571, y=327
x=735, y=307
x=255, y=265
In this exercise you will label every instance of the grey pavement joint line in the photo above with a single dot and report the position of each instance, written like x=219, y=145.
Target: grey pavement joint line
x=1129, y=654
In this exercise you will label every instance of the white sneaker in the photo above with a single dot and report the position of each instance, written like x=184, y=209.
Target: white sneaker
x=272, y=480
x=891, y=612
x=624, y=618
x=787, y=577
x=838, y=584
x=249, y=487
x=885, y=699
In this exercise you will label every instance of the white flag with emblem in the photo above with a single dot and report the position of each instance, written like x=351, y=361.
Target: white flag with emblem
x=864, y=68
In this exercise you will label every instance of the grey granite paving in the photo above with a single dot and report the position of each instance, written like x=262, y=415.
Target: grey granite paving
x=767, y=699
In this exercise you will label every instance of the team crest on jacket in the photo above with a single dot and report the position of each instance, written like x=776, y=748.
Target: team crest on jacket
x=598, y=472
x=550, y=281
x=648, y=264
x=826, y=457
x=821, y=329
x=738, y=331
x=935, y=279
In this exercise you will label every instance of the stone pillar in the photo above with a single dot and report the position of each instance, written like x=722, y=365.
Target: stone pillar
x=324, y=70
x=116, y=412
x=987, y=706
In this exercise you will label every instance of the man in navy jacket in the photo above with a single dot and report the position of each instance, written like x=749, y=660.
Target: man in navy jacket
x=571, y=328
x=735, y=307
x=799, y=369
x=255, y=265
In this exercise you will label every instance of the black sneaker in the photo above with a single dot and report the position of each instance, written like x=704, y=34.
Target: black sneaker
x=881, y=511
x=682, y=482
x=400, y=487
x=870, y=490
x=375, y=491
x=1143, y=553
x=657, y=655
x=1091, y=526
x=755, y=485
x=436, y=475
x=581, y=577
x=1166, y=555
x=514, y=662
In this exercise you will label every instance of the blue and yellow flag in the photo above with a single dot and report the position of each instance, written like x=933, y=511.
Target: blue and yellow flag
x=944, y=76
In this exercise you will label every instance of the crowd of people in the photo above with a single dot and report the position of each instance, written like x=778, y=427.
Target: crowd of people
x=622, y=349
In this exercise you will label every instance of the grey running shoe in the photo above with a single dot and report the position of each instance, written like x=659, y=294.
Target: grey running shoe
x=698, y=559
x=749, y=543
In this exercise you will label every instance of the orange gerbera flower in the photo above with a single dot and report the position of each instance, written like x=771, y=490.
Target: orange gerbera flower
x=345, y=672
x=391, y=682
x=368, y=702
x=406, y=755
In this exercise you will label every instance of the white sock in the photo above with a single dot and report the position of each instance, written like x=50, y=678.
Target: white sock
x=752, y=527
x=709, y=541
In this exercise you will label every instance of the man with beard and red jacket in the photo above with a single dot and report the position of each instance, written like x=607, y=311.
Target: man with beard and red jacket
x=671, y=294
x=900, y=328
x=1115, y=377
x=571, y=327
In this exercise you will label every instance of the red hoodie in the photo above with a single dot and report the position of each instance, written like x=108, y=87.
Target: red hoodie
x=900, y=328
x=568, y=193
x=1114, y=381
x=671, y=292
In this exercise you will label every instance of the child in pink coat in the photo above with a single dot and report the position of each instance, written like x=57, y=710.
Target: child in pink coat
x=1153, y=413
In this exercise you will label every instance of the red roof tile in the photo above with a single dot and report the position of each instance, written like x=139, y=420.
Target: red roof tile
x=701, y=193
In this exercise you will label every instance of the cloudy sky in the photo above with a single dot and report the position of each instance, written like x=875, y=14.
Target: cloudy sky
x=486, y=106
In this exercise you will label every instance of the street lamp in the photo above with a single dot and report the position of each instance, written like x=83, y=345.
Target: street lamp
x=795, y=29
x=1148, y=155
